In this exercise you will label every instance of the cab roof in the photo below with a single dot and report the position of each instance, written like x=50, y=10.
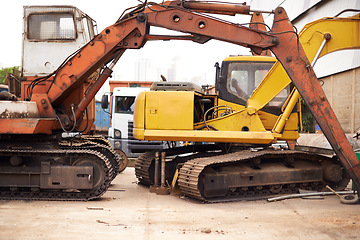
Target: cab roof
x=250, y=59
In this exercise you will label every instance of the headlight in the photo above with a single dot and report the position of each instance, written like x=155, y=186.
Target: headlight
x=117, y=144
x=117, y=133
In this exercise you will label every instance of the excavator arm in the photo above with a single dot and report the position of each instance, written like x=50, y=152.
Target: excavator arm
x=318, y=39
x=132, y=32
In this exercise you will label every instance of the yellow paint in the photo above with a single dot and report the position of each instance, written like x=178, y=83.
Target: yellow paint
x=289, y=135
x=287, y=111
x=138, y=133
x=268, y=121
x=250, y=59
x=169, y=110
x=238, y=121
x=235, y=107
x=139, y=111
x=311, y=37
x=209, y=136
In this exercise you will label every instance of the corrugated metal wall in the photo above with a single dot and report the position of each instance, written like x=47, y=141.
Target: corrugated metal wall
x=102, y=119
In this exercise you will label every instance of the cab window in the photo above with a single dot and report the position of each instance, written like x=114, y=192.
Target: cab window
x=124, y=104
x=244, y=77
x=54, y=26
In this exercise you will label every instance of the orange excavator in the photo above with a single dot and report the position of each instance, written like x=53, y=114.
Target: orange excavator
x=44, y=153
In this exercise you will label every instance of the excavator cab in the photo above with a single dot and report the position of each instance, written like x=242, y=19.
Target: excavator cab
x=241, y=75
x=61, y=31
x=58, y=29
x=238, y=79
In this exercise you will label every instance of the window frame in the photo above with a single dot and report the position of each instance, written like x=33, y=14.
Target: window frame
x=244, y=66
x=131, y=111
x=52, y=39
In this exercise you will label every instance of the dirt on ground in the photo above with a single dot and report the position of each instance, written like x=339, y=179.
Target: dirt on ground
x=130, y=211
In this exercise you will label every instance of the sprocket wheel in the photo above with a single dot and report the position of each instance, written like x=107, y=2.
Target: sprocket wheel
x=99, y=174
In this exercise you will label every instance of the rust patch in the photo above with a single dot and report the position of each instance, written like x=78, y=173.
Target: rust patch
x=8, y=114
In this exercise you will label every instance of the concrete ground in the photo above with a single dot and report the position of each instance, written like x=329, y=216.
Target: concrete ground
x=130, y=211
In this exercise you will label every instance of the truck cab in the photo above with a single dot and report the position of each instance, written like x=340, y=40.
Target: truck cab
x=121, y=131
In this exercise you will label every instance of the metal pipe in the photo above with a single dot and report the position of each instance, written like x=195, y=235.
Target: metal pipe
x=288, y=109
x=162, y=169
x=262, y=11
x=295, y=96
x=157, y=164
x=307, y=195
x=116, y=59
x=91, y=94
x=106, y=73
x=217, y=8
x=327, y=37
x=223, y=8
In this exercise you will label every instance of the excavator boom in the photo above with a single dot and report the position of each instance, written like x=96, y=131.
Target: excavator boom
x=334, y=33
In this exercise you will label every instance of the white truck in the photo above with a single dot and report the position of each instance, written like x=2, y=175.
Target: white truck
x=120, y=132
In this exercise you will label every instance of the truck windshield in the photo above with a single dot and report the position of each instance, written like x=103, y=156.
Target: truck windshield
x=124, y=104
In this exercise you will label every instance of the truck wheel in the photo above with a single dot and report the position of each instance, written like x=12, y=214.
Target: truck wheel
x=349, y=199
x=123, y=160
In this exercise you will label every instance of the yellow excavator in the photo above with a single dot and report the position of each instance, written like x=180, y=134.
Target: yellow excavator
x=255, y=105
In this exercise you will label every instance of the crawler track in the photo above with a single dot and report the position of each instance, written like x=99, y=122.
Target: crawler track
x=34, y=192
x=144, y=165
x=142, y=168
x=195, y=173
x=191, y=176
x=106, y=150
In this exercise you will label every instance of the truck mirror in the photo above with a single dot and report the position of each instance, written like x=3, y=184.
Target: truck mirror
x=104, y=102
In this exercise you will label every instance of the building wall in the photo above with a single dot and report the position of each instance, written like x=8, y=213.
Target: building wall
x=343, y=92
